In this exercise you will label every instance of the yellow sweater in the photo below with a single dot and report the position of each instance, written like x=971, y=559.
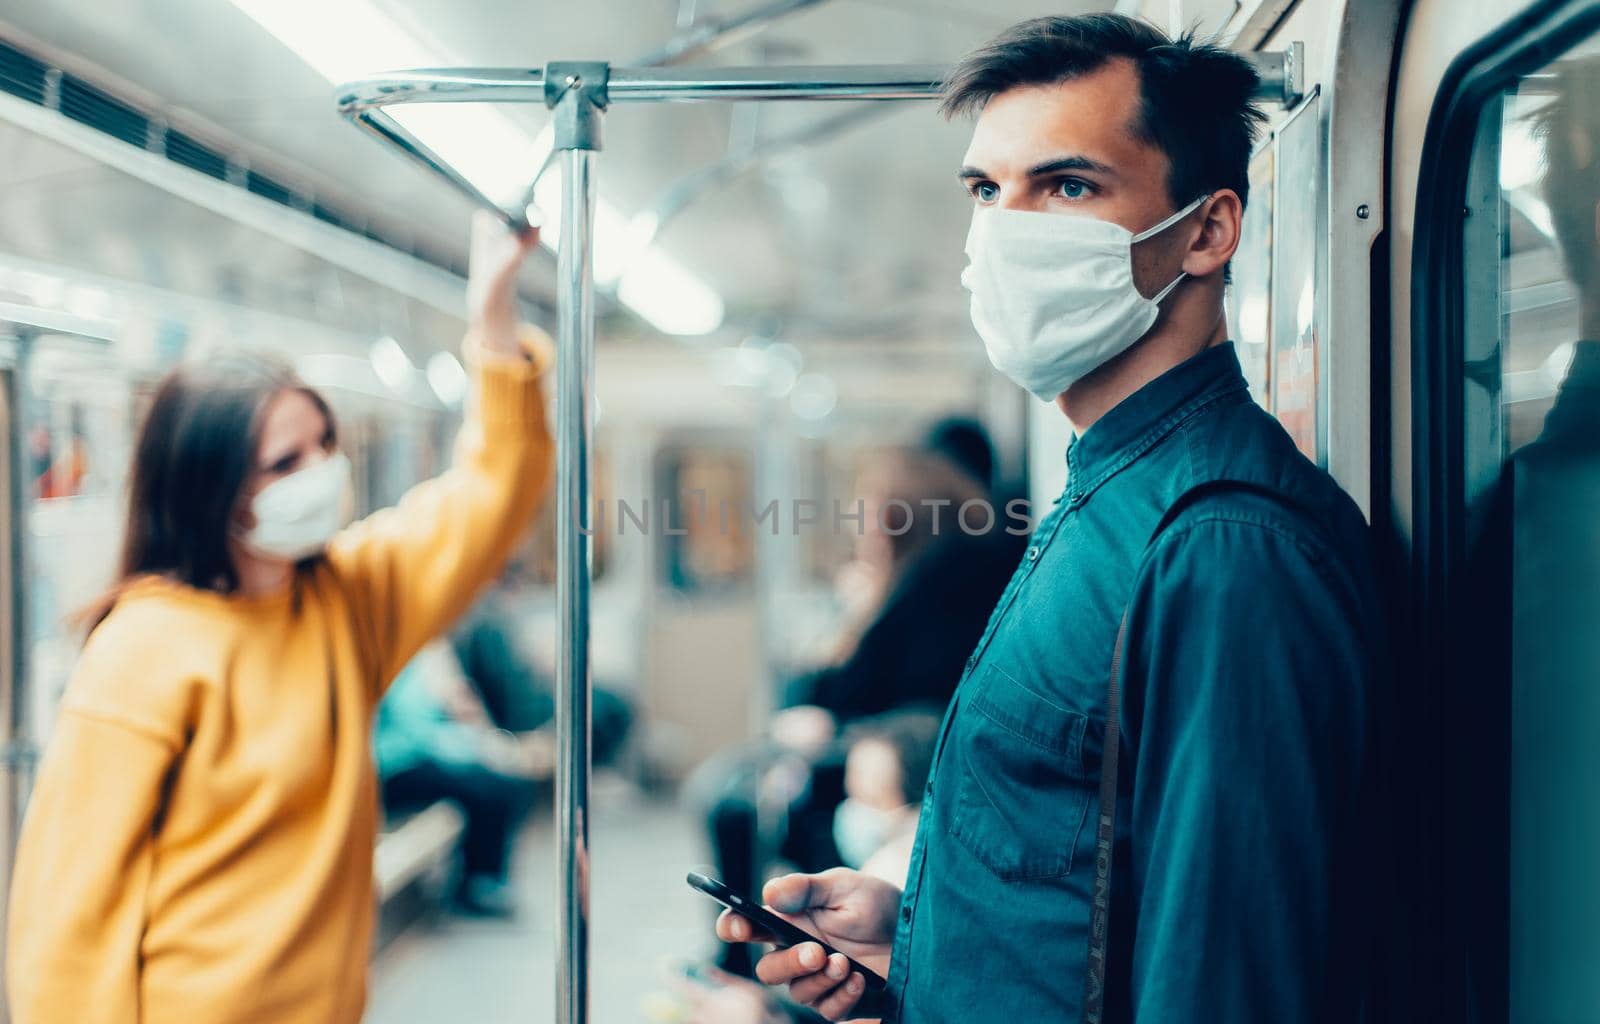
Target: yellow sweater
x=199, y=843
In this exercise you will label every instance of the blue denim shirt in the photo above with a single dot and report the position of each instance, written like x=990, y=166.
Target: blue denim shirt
x=1249, y=666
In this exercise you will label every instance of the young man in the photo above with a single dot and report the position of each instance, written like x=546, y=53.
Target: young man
x=1108, y=175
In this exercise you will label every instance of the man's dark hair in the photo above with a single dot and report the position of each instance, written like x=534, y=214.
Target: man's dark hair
x=1196, y=106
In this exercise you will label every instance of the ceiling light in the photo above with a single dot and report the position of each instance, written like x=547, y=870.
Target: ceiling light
x=340, y=39
x=814, y=396
x=392, y=365
x=672, y=299
x=738, y=367
x=447, y=378
x=781, y=378
x=487, y=147
x=646, y=279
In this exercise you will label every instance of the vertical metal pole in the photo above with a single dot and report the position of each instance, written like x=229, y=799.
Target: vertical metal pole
x=573, y=425
x=578, y=106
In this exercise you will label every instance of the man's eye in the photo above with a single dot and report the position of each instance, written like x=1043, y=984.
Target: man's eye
x=986, y=191
x=1072, y=188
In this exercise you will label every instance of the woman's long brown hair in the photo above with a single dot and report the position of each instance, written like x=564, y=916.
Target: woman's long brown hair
x=195, y=451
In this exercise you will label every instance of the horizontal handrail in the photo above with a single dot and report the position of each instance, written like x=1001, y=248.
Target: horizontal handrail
x=1280, y=72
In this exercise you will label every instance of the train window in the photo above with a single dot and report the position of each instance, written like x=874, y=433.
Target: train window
x=1250, y=294
x=1272, y=300
x=1295, y=351
x=1530, y=346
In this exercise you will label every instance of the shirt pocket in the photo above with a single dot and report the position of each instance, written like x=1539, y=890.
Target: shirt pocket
x=1022, y=793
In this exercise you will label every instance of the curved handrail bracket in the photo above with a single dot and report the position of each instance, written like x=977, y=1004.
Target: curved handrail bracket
x=441, y=85
x=364, y=100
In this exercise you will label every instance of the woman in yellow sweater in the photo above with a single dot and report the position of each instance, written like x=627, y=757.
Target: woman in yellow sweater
x=199, y=843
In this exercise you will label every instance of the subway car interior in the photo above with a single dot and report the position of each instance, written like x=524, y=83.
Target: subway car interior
x=708, y=644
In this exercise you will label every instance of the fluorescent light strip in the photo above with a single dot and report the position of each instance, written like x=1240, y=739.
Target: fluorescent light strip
x=340, y=39
x=647, y=280
x=343, y=39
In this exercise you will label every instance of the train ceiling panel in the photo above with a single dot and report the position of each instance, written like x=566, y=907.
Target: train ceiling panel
x=71, y=221
x=856, y=233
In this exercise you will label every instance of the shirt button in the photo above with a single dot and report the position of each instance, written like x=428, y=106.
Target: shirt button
x=971, y=662
x=905, y=913
x=930, y=787
x=1033, y=552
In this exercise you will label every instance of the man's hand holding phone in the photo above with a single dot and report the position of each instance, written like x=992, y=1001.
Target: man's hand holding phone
x=852, y=912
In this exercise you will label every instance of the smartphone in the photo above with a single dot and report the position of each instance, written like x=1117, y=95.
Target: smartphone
x=787, y=934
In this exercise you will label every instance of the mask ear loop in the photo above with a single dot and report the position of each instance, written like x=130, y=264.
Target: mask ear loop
x=1163, y=293
x=1164, y=225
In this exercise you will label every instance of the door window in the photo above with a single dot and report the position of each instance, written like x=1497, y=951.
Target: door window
x=1531, y=482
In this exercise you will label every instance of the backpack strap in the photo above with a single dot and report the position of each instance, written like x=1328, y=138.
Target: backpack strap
x=1105, y=832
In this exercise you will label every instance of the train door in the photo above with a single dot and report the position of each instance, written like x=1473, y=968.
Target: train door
x=1497, y=170
x=704, y=661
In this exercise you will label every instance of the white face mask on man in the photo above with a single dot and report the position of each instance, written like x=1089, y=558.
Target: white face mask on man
x=1053, y=296
x=298, y=515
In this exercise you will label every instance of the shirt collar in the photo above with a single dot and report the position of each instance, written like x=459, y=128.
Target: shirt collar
x=1136, y=423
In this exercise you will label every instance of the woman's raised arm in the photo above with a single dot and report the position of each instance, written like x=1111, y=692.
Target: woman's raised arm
x=414, y=568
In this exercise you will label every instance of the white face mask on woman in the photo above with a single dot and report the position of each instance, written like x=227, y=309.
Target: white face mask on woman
x=298, y=515
x=1053, y=296
x=861, y=830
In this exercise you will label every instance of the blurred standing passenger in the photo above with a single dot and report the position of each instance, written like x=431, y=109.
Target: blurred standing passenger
x=199, y=845
x=930, y=585
x=934, y=581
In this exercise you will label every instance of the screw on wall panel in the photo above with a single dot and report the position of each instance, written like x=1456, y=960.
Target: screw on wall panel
x=1363, y=211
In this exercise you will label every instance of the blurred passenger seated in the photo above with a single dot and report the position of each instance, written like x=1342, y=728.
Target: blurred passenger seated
x=705, y=995
x=919, y=592
x=887, y=762
x=434, y=740
x=515, y=695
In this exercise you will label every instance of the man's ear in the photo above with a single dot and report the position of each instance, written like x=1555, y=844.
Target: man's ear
x=1214, y=246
